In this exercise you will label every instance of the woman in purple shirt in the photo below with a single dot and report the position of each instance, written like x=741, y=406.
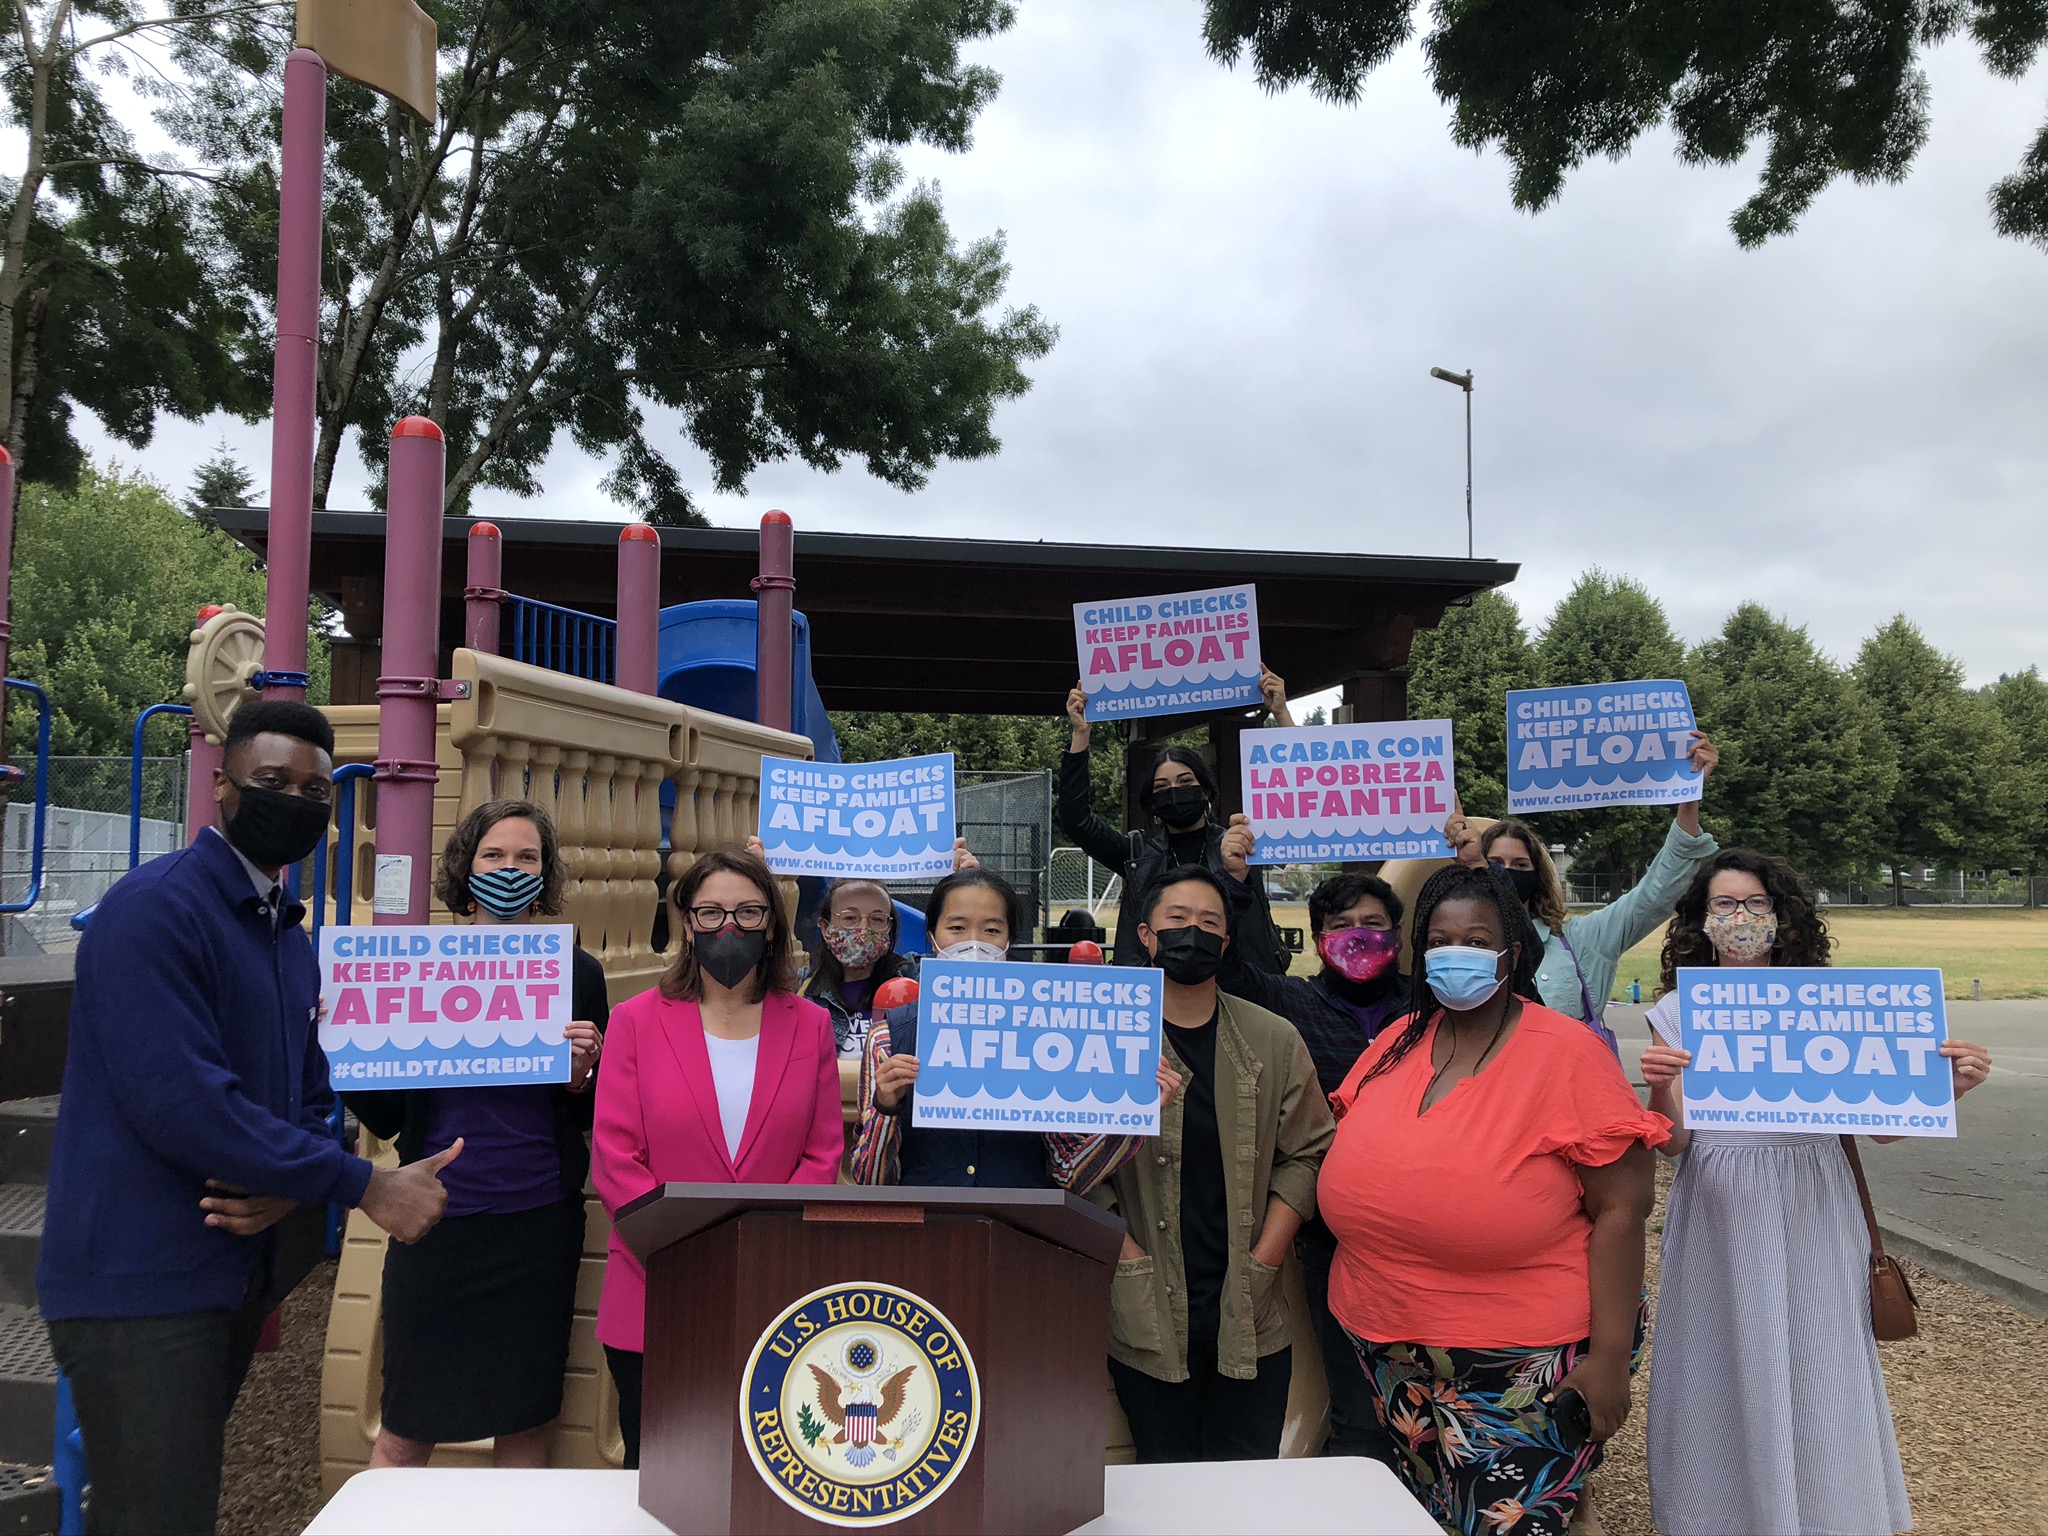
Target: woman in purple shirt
x=476, y=1317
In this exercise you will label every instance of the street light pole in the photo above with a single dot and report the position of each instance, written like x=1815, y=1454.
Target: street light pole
x=1464, y=382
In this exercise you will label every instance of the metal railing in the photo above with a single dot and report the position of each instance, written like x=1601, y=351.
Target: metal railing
x=42, y=798
x=561, y=639
x=135, y=775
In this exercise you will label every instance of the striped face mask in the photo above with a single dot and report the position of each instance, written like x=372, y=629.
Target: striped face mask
x=508, y=894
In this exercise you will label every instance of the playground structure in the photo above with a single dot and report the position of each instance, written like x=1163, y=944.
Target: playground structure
x=641, y=731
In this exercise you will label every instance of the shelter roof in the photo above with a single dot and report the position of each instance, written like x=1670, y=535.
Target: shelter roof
x=969, y=626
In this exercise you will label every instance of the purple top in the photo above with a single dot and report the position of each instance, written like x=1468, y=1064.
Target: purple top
x=509, y=1159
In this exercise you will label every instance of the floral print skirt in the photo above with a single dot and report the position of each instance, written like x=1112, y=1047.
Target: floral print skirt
x=1479, y=1446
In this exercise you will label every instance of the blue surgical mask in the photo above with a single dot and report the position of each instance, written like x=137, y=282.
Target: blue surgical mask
x=508, y=894
x=1462, y=977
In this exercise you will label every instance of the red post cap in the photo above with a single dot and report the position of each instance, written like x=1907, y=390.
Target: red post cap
x=416, y=426
x=774, y=517
x=6, y=457
x=209, y=611
x=896, y=992
x=638, y=533
x=483, y=531
x=1085, y=952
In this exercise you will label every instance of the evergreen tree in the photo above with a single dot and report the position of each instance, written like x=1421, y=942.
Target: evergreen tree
x=1461, y=671
x=1956, y=798
x=1807, y=769
x=2021, y=699
x=1609, y=629
x=222, y=481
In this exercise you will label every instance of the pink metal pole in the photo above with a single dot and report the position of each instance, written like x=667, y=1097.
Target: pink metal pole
x=483, y=600
x=638, y=663
x=200, y=761
x=409, y=686
x=292, y=400
x=6, y=559
x=774, y=632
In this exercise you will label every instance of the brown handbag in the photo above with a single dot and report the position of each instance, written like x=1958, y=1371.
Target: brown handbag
x=1893, y=1307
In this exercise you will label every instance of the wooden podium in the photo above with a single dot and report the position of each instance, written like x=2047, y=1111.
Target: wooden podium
x=1022, y=1277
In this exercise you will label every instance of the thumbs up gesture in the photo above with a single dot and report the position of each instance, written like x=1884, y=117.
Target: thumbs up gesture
x=406, y=1202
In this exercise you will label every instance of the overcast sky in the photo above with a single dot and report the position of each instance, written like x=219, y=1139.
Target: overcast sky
x=1251, y=291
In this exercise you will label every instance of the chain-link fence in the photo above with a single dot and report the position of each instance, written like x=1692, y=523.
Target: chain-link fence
x=1923, y=888
x=86, y=832
x=1007, y=821
x=1076, y=881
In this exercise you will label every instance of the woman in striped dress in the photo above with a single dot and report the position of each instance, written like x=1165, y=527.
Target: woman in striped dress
x=1767, y=1403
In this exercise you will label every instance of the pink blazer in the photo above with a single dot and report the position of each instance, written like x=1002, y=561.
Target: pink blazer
x=657, y=1121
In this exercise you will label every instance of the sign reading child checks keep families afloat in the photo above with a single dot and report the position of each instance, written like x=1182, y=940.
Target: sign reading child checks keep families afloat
x=1009, y=1046
x=1603, y=744
x=434, y=1007
x=874, y=819
x=1378, y=790
x=1816, y=1049
x=1169, y=655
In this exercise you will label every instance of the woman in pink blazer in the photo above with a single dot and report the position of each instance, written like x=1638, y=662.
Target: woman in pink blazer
x=722, y=1074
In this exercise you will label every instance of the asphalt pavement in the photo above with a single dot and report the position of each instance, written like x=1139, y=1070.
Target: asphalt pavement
x=1975, y=1207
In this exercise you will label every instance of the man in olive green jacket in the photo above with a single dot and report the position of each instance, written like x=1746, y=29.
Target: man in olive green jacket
x=1199, y=1340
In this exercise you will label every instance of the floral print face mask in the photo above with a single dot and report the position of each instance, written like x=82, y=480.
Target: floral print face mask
x=856, y=947
x=1741, y=935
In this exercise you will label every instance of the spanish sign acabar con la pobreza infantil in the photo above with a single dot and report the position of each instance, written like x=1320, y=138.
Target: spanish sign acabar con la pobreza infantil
x=431, y=1007
x=1600, y=744
x=1374, y=790
x=1172, y=655
x=879, y=820
x=1011, y=1046
x=1815, y=1049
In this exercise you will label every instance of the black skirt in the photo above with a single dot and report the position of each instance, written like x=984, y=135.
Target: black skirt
x=476, y=1324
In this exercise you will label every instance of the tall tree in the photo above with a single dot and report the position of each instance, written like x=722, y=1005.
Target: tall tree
x=2021, y=699
x=1829, y=90
x=111, y=297
x=1001, y=743
x=642, y=208
x=1461, y=671
x=1807, y=767
x=1608, y=629
x=108, y=577
x=222, y=481
x=1955, y=803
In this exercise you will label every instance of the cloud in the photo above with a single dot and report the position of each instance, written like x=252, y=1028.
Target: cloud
x=1251, y=291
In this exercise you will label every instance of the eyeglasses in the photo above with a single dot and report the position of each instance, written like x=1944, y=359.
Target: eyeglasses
x=867, y=920
x=1755, y=906
x=710, y=917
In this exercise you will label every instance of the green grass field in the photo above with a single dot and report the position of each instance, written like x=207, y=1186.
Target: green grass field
x=2006, y=949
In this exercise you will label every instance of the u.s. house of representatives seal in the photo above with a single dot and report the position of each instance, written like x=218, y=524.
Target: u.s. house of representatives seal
x=860, y=1404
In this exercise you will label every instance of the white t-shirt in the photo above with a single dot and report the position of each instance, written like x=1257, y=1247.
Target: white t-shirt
x=732, y=1074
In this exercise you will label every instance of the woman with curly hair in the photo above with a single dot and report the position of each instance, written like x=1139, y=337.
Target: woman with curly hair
x=1488, y=1189
x=1767, y=1402
x=477, y=1314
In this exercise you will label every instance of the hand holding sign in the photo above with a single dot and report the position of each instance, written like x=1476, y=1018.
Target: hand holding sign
x=1173, y=655
x=1633, y=743
x=879, y=820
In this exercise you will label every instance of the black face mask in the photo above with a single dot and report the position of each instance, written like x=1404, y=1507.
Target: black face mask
x=1181, y=807
x=1525, y=881
x=273, y=829
x=729, y=954
x=1190, y=955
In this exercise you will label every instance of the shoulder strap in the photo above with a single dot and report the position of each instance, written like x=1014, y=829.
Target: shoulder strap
x=1595, y=1015
x=1863, y=1194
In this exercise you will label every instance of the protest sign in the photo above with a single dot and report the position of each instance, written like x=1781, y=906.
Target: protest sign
x=882, y=820
x=1601, y=744
x=431, y=1007
x=1816, y=1049
x=1172, y=655
x=1379, y=790
x=1004, y=1046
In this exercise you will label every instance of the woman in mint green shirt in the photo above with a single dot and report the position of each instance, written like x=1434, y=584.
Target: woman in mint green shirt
x=1575, y=973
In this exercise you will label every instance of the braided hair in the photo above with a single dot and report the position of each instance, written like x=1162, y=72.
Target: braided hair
x=1457, y=882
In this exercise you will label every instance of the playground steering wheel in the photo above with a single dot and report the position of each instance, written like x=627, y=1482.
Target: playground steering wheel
x=221, y=667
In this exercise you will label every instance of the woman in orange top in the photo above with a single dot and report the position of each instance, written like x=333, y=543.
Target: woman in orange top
x=1488, y=1190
